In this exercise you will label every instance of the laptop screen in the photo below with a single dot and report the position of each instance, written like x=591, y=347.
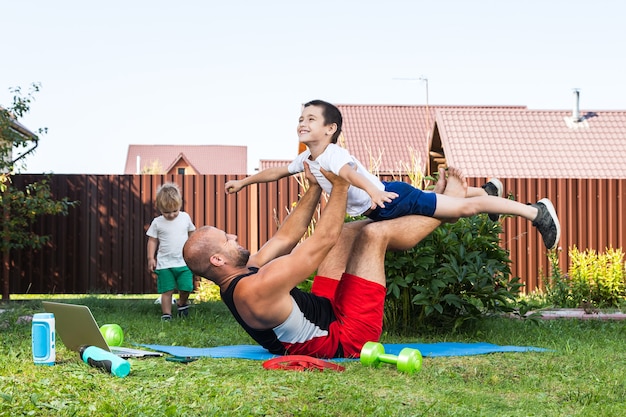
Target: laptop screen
x=76, y=327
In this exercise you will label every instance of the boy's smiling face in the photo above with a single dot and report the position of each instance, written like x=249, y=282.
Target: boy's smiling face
x=312, y=127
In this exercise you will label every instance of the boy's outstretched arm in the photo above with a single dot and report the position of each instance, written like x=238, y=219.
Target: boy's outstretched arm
x=379, y=197
x=267, y=175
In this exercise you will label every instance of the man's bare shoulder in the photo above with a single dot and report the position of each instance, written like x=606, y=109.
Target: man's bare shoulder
x=265, y=281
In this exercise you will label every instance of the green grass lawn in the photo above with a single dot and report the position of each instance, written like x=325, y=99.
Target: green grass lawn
x=584, y=375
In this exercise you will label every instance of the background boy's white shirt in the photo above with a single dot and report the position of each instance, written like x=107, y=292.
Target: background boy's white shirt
x=172, y=235
x=333, y=159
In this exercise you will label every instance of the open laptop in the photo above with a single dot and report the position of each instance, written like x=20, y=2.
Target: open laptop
x=76, y=327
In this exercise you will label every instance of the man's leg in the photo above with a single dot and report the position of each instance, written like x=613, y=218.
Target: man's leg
x=335, y=263
x=333, y=266
x=360, y=295
x=367, y=259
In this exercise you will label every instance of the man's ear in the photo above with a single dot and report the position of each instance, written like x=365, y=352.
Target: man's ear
x=216, y=260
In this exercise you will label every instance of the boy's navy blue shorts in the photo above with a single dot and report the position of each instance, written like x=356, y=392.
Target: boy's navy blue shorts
x=410, y=200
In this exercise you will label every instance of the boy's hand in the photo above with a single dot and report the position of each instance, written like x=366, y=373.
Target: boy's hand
x=232, y=186
x=152, y=264
x=380, y=197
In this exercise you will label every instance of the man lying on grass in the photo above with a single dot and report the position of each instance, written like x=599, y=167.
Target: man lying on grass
x=345, y=307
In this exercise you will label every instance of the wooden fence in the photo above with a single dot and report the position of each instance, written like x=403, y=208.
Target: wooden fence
x=101, y=245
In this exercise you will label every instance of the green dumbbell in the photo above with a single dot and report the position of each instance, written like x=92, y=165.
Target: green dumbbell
x=409, y=360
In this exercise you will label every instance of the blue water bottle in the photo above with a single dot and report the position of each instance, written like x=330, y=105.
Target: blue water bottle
x=43, y=335
x=100, y=358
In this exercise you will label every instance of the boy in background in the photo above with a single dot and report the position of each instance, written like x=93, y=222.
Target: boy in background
x=169, y=232
x=319, y=128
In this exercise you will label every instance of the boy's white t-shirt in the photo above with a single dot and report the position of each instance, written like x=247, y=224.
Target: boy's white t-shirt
x=333, y=159
x=172, y=235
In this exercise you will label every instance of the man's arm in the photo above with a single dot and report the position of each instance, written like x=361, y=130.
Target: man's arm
x=286, y=272
x=292, y=229
x=267, y=175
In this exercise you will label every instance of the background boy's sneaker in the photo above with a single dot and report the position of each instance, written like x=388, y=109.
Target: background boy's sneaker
x=547, y=223
x=158, y=300
x=183, y=311
x=166, y=317
x=494, y=188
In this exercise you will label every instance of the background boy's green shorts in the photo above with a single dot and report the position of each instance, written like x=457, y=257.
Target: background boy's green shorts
x=179, y=278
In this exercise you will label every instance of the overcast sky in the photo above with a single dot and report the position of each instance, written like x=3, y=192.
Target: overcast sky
x=236, y=72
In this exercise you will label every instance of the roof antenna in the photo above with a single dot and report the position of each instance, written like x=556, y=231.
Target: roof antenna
x=576, y=112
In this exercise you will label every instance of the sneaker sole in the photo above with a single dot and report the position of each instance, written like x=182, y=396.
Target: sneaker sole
x=500, y=191
x=548, y=204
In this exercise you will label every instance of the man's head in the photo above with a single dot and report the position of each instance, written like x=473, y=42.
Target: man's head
x=331, y=115
x=169, y=200
x=212, y=253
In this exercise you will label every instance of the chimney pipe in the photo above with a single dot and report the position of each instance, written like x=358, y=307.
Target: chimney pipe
x=138, y=164
x=576, y=111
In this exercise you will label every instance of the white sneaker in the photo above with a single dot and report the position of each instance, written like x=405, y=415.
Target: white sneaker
x=158, y=300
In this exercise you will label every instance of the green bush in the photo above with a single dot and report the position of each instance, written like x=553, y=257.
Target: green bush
x=597, y=278
x=207, y=291
x=592, y=280
x=457, y=274
x=557, y=285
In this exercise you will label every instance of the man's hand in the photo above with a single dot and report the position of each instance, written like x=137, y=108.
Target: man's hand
x=336, y=180
x=309, y=177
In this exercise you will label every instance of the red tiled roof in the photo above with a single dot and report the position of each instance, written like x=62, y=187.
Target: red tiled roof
x=534, y=143
x=389, y=137
x=204, y=159
x=272, y=163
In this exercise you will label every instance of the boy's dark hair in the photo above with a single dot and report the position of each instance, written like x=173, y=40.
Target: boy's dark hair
x=331, y=115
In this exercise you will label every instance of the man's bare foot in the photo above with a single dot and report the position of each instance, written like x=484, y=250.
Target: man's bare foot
x=440, y=186
x=456, y=184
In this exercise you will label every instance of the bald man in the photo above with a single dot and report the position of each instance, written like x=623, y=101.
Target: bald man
x=344, y=309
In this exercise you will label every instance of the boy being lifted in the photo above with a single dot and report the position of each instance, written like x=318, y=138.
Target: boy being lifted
x=319, y=128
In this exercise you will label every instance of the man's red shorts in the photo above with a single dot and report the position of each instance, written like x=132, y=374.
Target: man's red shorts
x=359, y=306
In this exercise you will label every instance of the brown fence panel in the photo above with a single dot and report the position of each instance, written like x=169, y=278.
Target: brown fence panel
x=591, y=213
x=101, y=245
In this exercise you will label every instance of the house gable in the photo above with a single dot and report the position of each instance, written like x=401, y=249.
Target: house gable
x=181, y=165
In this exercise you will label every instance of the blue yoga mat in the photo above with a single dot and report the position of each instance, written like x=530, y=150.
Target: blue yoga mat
x=427, y=349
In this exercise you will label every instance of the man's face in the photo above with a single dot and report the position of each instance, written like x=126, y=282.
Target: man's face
x=229, y=246
x=311, y=126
